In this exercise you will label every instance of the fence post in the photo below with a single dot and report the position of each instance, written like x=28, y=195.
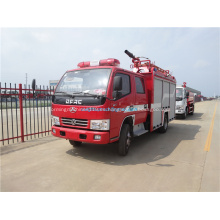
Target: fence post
x=21, y=112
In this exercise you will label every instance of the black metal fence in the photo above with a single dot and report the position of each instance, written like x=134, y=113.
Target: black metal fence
x=25, y=114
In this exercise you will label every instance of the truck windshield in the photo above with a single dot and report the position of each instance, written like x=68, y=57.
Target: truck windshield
x=179, y=94
x=91, y=81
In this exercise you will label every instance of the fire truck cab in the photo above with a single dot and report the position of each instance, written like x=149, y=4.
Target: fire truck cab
x=101, y=103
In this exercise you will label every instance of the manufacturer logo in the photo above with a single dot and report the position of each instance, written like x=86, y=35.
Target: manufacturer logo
x=75, y=102
x=73, y=109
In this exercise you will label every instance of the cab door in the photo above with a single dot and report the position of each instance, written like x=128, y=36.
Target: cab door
x=120, y=105
x=140, y=104
x=184, y=99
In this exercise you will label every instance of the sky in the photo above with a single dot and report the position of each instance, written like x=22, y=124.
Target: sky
x=191, y=54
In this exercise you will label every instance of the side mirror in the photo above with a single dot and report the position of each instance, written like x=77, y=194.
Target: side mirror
x=33, y=84
x=53, y=98
x=117, y=86
x=117, y=95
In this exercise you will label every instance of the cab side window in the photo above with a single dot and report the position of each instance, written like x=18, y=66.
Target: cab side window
x=126, y=84
x=139, y=85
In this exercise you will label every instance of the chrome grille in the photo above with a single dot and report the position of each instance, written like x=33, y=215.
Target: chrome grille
x=75, y=122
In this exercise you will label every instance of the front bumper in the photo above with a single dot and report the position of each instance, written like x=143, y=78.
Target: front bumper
x=179, y=112
x=80, y=135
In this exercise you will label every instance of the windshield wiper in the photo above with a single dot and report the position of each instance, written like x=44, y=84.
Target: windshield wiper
x=77, y=93
x=62, y=93
x=179, y=98
x=86, y=93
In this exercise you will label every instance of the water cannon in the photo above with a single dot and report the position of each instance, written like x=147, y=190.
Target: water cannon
x=131, y=55
x=145, y=65
x=137, y=62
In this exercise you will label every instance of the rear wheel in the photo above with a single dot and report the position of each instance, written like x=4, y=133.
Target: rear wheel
x=124, y=140
x=163, y=129
x=75, y=143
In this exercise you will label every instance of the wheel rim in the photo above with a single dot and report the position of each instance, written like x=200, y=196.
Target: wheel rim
x=128, y=140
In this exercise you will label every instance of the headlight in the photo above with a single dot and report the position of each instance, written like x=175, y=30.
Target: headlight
x=180, y=107
x=100, y=124
x=55, y=120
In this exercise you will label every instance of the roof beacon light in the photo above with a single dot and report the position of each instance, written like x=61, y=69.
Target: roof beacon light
x=109, y=62
x=83, y=64
x=94, y=63
x=106, y=62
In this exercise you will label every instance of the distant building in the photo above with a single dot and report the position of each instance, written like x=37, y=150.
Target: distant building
x=53, y=83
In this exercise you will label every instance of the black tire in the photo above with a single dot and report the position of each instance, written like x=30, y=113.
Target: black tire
x=163, y=129
x=124, y=140
x=75, y=143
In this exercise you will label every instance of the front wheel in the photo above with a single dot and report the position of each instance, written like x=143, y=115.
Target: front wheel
x=124, y=140
x=185, y=113
x=75, y=143
x=163, y=129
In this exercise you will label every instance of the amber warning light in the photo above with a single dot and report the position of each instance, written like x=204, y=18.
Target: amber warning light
x=106, y=62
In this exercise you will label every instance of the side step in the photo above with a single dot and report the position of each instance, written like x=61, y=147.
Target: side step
x=139, y=130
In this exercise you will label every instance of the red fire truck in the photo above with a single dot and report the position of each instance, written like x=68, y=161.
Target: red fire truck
x=101, y=103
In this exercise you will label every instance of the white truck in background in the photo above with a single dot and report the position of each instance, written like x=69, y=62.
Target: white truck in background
x=185, y=101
